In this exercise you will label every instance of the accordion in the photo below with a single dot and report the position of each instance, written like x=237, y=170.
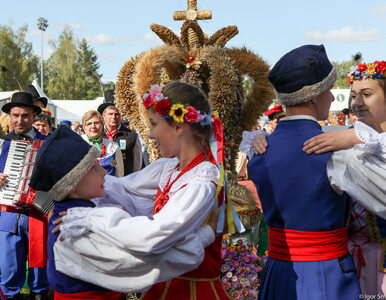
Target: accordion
x=19, y=166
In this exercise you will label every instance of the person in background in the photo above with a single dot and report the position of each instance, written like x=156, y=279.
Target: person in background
x=274, y=115
x=43, y=124
x=352, y=118
x=21, y=231
x=126, y=124
x=76, y=128
x=111, y=156
x=127, y=139
x=38, y=100
x=65, y=123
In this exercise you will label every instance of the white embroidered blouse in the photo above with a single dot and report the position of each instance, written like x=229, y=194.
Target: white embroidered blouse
x=124, y=245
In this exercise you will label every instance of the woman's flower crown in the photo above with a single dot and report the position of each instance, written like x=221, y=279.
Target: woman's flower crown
x=374, y=70
x=169, y=108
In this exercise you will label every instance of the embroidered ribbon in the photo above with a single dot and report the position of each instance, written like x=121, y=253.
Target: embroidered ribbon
x=217, y=157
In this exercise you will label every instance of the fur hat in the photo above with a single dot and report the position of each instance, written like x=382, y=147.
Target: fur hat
x=20, y=99
x=302, y=74
x=62, y=161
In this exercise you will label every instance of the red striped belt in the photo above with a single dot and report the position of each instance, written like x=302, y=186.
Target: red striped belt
x=296, y=245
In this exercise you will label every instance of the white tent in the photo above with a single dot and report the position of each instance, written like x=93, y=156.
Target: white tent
x=73, y=110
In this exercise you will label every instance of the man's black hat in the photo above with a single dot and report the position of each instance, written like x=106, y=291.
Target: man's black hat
x=20, y=99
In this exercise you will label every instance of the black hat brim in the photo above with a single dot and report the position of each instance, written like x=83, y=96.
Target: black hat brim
x=42, y=100
x=7, y=107
x=103, y=106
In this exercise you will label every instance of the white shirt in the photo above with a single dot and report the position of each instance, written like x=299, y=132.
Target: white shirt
x=158, y=247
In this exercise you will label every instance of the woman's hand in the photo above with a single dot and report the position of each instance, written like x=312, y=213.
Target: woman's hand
x=331, y=141
x=50, y=214
x=59, y=222
x=259, y=144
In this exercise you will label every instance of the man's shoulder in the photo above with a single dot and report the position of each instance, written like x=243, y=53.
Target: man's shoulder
x=123, y=131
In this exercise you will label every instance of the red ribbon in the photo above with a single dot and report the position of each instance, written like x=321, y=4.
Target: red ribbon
x=296, y=245
x=219, y=136
x=361, y=259
x=37, y=247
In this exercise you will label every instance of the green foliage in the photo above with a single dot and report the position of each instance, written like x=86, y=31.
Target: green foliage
x=61, y=67
x=86, y=86
x=16, y=54
x=343, y=68
x=67, y=69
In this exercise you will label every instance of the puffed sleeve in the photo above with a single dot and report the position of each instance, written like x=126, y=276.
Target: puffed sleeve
x=121, y=270
x=135, y=192
x=361, y=170
x=184, y=213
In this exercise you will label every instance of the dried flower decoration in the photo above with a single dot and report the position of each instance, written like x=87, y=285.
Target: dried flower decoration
x=169, y=108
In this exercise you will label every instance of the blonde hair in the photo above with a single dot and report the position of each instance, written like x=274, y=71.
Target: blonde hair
x=90, y=114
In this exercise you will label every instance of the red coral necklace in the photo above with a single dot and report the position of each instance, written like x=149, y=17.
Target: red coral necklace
x=163, y=196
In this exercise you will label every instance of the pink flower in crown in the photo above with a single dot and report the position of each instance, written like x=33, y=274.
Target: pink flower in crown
x=200, y=117
x=191, y=115
x=147, y=101
x=155, y=92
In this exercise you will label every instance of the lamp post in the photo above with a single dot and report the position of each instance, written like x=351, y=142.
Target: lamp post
x=91, y=73
x=5, y=70
x=42, y=25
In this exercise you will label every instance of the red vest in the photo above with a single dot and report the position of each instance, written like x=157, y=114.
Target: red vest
x=202, y=283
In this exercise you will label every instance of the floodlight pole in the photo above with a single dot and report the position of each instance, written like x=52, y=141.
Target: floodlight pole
x=42, y=25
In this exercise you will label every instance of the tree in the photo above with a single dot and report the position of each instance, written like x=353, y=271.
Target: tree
x=87, y=86
x=61, y=67
x=68, y=66
x=343, y=68
x=17, y=56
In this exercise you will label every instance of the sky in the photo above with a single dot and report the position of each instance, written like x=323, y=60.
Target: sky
x=120, y=29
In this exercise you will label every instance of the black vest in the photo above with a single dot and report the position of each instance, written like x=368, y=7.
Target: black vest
x=126, y=137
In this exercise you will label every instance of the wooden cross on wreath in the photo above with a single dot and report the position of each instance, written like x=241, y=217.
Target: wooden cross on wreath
x=192, y=14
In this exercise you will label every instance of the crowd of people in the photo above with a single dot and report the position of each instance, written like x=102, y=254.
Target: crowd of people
x=121, y=225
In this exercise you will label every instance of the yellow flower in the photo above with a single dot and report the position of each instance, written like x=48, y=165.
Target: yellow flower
x=371, y=68
x=178, y=111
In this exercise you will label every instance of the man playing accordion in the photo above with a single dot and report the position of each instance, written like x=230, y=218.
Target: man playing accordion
x=22, y=232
